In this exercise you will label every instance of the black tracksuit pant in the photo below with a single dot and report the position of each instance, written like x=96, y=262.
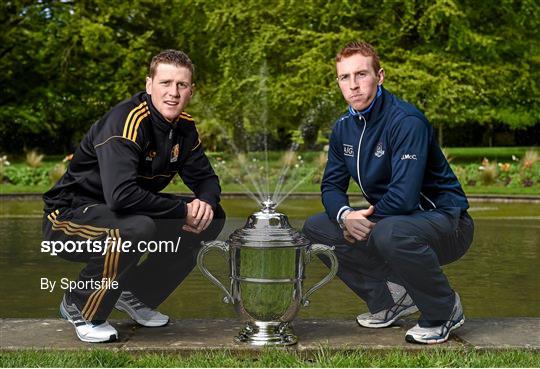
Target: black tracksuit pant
x=152, y=278
x=406, y=249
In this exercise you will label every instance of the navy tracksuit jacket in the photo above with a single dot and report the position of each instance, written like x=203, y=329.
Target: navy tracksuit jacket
x=391, y=153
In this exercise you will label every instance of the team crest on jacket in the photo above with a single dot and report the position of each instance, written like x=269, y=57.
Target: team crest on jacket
x=379, y=150
x=348, y=150
x=175, y=152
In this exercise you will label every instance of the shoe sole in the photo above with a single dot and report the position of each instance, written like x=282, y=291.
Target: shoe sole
x=144, y=323
x=409, y=311
x=411, y=339
x=65, y=316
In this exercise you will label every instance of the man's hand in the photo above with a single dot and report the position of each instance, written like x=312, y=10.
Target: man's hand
x=199, y=216
x=348, y=237
x=357, y=226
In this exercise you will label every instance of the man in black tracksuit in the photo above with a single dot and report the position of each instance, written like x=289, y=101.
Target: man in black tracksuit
x=110, y=194
x=391, y=253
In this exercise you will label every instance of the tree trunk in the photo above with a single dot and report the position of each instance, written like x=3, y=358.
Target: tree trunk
x=310, y=132
x=239, y=134
x=440, y=135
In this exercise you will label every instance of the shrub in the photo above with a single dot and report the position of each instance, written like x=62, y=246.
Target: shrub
x=4, y=163
x=33, y=159
x=26, y=176
x=524, y=172
x=530, y=159
x=57, y=172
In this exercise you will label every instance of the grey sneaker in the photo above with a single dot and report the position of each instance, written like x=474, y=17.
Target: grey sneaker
x=87, y=331
x=437, y=333
x=404, y=306
x=139, y=311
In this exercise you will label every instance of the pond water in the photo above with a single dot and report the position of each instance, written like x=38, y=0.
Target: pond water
x=498, y=277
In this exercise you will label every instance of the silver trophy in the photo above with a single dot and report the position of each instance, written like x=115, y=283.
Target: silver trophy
x=267, y=261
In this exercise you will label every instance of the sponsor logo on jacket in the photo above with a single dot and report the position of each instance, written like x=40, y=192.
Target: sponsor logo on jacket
x=348, y=150
x=408, y=157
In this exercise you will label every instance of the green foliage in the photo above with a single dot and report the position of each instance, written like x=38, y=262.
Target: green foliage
x=26, y=176
x=33, y=175
x=513, y=174
x=476, y=154
x=301, y=171
x=263, y=68
x=67, y=63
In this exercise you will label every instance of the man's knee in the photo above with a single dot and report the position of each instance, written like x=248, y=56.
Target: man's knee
x=310, y=225
x=218, y=222
x=382, y=237
x=138, y=227
x=393, y=234
x=319, y=228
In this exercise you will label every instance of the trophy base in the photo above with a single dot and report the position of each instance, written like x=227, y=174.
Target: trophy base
x=267, y=334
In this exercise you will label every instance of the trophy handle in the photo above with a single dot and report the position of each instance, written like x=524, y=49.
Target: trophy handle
x=326, y=250
x=223, y=247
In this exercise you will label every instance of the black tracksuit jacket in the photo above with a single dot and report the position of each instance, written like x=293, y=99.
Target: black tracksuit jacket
x=131, y=154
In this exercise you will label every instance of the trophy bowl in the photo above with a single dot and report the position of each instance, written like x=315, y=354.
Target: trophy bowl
x=267, y=259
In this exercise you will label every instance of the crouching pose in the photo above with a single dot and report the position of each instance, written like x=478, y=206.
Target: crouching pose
x=391, y=253
x=110, y=196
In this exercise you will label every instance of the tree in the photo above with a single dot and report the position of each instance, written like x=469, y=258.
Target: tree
x=263, y=69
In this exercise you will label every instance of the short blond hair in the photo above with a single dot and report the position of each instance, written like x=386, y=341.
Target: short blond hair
x=170, y=56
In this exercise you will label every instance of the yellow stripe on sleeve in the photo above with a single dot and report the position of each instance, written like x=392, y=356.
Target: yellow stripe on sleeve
x=137, y=125
x=129, y=119
x=134, y=121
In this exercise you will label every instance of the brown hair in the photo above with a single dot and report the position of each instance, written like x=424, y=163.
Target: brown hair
x=174, y=57
x=360, y=47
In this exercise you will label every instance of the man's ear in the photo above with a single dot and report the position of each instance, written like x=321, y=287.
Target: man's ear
x=148, y=85
x=381, y=77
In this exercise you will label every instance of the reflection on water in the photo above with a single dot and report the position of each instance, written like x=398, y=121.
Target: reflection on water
x=498, y=277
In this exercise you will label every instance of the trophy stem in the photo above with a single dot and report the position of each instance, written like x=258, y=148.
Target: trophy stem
x=267, y=334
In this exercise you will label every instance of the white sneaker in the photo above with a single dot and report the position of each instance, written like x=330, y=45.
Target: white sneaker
x=87, y=331
x=139, y=312
x=404, y=306
x=439, y=333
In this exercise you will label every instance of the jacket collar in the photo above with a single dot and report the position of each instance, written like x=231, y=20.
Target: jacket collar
x=373, y=111
x=157, y=119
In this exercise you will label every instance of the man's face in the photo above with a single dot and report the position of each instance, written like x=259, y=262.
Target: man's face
x=358, y=81
x=170, y=90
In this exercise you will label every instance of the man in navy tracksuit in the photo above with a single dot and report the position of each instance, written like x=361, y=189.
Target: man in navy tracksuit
x=391, y=253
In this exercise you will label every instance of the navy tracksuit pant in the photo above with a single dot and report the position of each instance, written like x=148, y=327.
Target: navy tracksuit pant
x=152, y=278
x=405, y=249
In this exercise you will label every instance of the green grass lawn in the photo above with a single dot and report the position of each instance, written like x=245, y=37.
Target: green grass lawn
x=476, y=154
x=275, y=358
x=180, y=188
x=503, y=191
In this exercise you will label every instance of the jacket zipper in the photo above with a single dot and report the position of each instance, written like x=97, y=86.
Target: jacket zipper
x=169, y=150
x=358, y=158
x=431, y=202
x=89, y=206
